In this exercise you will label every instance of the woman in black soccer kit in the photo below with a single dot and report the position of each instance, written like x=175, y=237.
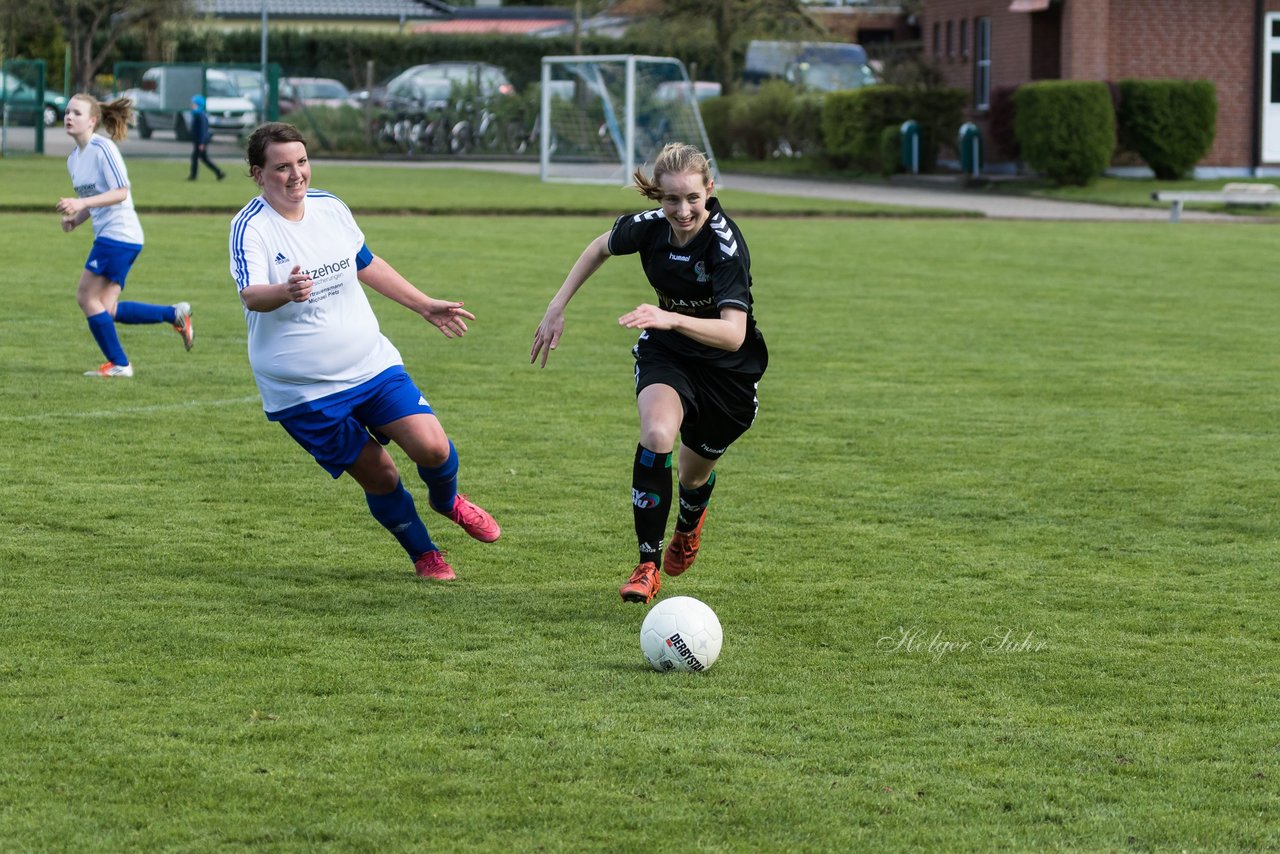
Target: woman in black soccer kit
x=699, y=357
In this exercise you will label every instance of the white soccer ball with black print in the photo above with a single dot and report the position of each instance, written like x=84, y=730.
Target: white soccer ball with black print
x=681, y=633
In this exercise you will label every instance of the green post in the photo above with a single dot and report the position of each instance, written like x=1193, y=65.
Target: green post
x=910, y=150
x=39, y=122
x=970, y=145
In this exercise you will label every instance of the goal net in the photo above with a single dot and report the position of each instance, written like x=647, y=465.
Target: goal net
x=604, y=116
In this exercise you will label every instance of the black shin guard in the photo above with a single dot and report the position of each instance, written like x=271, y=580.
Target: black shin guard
x=650, y=501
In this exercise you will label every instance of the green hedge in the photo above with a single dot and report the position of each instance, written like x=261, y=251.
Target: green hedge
x=776, y=119
x=1170, y=124
x=1065, y=128
x=940, y=113
x=890, y=150
x=344, y=54
x=759, y=121
x=852, y=122
x=715, y=118
x=804, y=125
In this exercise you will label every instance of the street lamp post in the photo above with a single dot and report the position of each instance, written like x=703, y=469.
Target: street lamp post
x=262, y=110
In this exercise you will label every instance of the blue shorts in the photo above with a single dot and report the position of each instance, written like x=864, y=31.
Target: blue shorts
x=112, y=259
x=336, y=428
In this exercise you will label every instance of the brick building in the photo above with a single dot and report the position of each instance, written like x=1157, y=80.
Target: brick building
x=990, y=47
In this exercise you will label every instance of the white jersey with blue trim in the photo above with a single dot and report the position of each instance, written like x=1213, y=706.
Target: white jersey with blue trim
x=302, y=352
x=99, y=168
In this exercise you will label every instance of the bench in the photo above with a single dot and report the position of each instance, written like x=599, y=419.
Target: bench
x=1231, y=194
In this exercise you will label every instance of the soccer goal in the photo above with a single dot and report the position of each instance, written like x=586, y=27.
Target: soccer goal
x=604, y=116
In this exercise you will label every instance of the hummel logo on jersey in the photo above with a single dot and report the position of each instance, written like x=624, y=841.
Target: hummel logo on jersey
x=674, y=257
x=280, y=259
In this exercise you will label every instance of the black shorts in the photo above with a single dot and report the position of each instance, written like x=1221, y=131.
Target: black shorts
x=719, y=405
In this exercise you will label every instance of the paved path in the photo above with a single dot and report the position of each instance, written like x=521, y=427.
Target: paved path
x=230, y=154
x=988, y=204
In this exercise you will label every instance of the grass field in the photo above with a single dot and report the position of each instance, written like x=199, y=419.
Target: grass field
x=995, y=565
x=34, y=185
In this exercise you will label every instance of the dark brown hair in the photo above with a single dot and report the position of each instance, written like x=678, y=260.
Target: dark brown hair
x=264, y=135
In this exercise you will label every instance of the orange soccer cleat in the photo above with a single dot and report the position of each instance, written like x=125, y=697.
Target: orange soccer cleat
x=683, y=548
x=643, y=584
x=182, y=324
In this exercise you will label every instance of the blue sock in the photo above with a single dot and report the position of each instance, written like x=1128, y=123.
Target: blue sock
x=398, y=514
x=442, y=481
x=144, y=312
x=104, y=332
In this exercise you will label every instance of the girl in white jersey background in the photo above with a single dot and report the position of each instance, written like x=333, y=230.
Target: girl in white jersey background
x=101, y=185
x=322, y=365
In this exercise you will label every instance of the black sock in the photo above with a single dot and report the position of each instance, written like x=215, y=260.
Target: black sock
x=692, y=503
x=650, y=501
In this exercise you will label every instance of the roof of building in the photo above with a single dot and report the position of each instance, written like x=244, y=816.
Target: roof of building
x=512, y=20
x=483, y=25
x=366, y=10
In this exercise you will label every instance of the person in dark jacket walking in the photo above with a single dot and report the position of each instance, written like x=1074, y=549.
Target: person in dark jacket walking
x=200, y=136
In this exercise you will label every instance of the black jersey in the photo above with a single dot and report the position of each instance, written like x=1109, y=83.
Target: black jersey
x=711, y=271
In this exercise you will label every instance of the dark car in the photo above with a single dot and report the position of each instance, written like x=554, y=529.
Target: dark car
x=811, y=66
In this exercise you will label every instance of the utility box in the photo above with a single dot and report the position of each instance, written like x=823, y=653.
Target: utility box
x=970, y=146
x=909, y=134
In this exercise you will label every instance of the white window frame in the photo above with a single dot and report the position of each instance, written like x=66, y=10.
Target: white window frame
x=982, y=64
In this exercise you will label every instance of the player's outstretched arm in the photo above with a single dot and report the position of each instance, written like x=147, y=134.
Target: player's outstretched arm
x=449, y=317
x=726, y=332
x=73, y=206
x=270, y=297
x=547, y=336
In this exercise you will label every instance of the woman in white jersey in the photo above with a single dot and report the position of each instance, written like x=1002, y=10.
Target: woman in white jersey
x=324, y=369
x=102, y=193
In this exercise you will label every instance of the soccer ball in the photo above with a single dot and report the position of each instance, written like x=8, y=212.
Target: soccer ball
x=681, y=633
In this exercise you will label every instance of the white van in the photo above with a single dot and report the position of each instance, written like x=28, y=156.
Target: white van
x=163, y=101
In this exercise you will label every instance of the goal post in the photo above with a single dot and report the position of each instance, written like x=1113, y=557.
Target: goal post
x=602, y=117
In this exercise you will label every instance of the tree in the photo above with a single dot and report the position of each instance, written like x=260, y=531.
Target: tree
x=28, y=31
x=92, y=28
x=734, y=22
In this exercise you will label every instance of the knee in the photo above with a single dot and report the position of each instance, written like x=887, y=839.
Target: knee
x=432, y=454
x=693, y=480
x=658, y=438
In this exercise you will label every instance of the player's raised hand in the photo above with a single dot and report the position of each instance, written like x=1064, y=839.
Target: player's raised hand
x=449, y=317
x=69, y=206
x=547, y=336
x=646, y=317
